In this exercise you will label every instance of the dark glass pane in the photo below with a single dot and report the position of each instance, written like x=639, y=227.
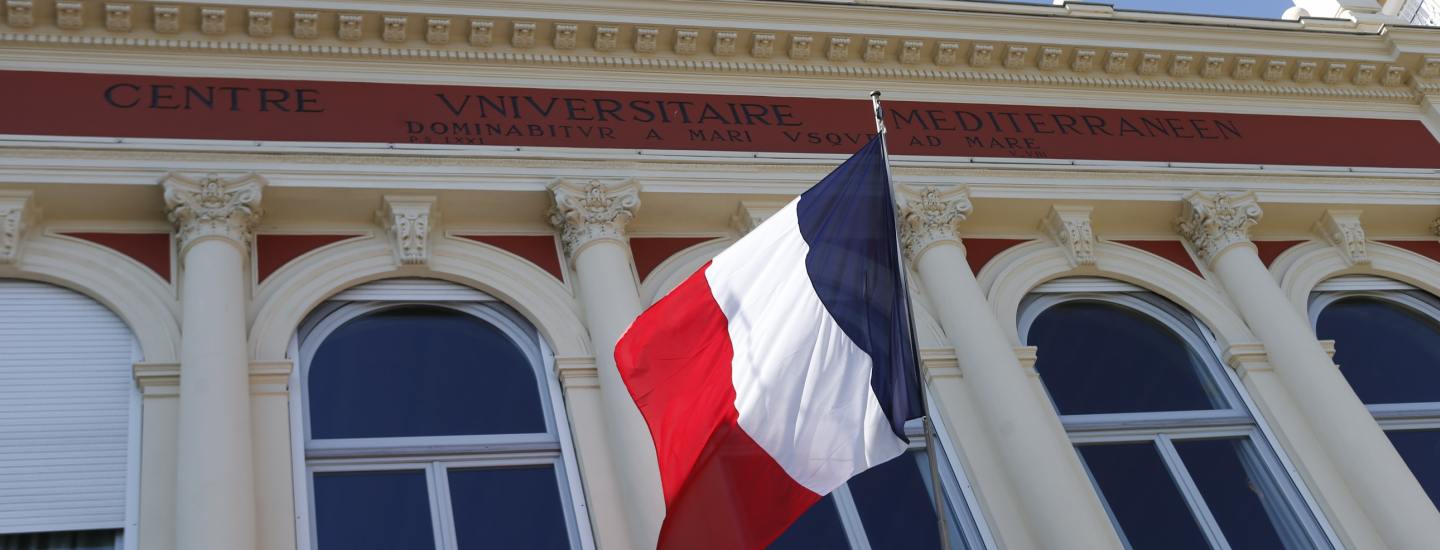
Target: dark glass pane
x=508, y=508
x=1241, y=494
x=1147, y=504
x=102, y=539
x=373, y=511
x=819, y=528
x=421, y=371
x=895, y=506
x=1421, y=451
x=1389, y=353
x=1099, y=358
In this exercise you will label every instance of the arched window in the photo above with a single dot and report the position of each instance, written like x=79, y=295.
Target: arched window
x=1387, y=344
x=430, y=422
x=1163, y=429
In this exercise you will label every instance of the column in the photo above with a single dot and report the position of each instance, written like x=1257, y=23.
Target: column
x=1042, y=467
x=591, y=218
x=1217, y=225
x=215, y=476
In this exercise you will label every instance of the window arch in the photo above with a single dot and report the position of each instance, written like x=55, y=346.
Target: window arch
x=1387, y=344
x=1161, y=426
x=430, y=421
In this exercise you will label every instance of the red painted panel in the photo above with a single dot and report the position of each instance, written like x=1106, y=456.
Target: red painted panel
x=650, y=252
x=1269, y=250
x=1429, y=249
x=274, y=251
x=979, y=252
x=1170, y=250
x=150, y=249
x=538, y=249
x=273, y=110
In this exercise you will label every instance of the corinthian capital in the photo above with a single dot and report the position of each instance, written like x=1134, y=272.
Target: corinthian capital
x=930, y=216
x=1213, y=222
x=213, y=208
x=593, y=211
x=17, y=215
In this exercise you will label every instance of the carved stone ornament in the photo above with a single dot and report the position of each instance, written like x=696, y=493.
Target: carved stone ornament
x=1115, y=62
x=565, y=36
x=408, y=221
x=1213, y=68
x=875, y=50
x=606, y=38
x=1435, y=227
x=725, y=43
x=1341, y=228
x=588, y=212
x=910, y=51
x=1394, y=76
x=980, y=55
x=212, y=20
x=523, y=35
x=800, y=47
x=764, y=46
x=1212, y=222
x=1070, y=227
x=1274, y=70
x=481, y=32
x=645, y=40
x=1334, y=73
x=306, y=25
x=1083, y=62
x=839, y=49
x=117, y=17
x=1364, y=75
x=262, y=23
x=213, y=208
x=1180, y=65
x=1305, y=72
x=1015, y=57
x=17, y=215
x=350, y=26
x=167, y=19
x=1431, y=68
x=69, y=15
x=929, y=216
x=753, y=213
x=1050, y=58
x=685, y=42
x=945, y=53
x=437, y=31
x=1149, y=64
x=394, y=30
x=1244, y=68
x=20, y=13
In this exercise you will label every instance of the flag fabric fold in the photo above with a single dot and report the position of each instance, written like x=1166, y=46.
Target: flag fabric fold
x=782, y=368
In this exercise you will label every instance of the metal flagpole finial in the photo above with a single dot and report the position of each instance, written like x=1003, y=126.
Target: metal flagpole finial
x=879, y=114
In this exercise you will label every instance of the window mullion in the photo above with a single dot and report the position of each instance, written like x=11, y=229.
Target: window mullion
x=1193, y=499
x=850, y=518
x=442, y=516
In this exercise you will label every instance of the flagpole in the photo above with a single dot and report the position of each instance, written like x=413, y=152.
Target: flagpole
x=931, y=451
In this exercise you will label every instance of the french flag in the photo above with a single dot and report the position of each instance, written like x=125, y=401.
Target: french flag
x=782, y=368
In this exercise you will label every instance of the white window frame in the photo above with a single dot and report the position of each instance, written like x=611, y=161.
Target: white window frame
x=553, y=448
x=1160, y=428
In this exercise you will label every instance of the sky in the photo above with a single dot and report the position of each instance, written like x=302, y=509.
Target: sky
x=1269, y=9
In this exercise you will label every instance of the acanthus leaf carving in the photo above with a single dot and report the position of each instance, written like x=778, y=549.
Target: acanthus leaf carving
x=1050, y=58
x=1341, y=228
x=213, y=207
x=1212, y=222
x=1083, y=62
x=945, y=54
x=1070, y=227
x=875, y=50
x=645, y=40
x=929, y=216
x=408, y=220
x=17, y=215
x=800, y=47
x=565, y=36
x=1115, y=64
x=764, y=46
x=725, y=43
x=592, y=211
x=606, y=38
x=980, y=55
x=685, y=41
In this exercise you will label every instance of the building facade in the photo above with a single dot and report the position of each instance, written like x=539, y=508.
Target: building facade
x=349, y=274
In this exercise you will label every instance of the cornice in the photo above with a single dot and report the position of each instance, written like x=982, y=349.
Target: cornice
x=1281, y=61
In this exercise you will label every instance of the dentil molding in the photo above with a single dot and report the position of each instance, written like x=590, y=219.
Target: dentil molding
x=213, y=207
x=408, y=221
x=1212, y=222
x=1341, y=228
x=1070, y=227
x=17, y=215
x=930, y=216
x=592, y=211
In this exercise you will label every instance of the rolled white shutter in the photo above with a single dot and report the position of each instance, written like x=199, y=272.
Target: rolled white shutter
x=65, y=390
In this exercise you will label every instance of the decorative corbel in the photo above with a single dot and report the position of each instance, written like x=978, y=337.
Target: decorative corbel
x=408, y=220
x=1070, y=227
x=17, y=215
x=1341, y=228
x=753, y=213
